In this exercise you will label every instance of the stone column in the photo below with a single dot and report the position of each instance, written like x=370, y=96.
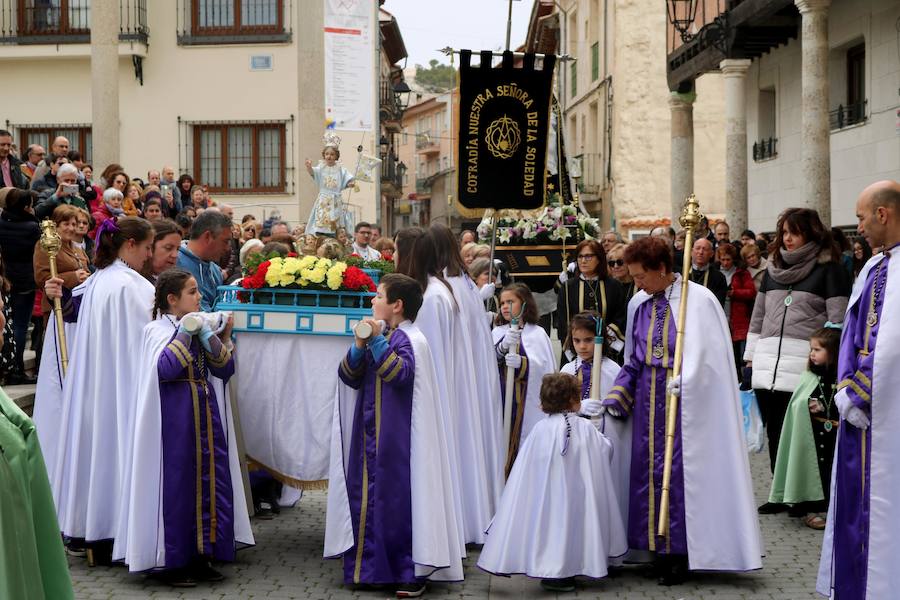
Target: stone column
x=310, y=37
x=734, y=71
x=681, y=106
x=105, y=82
x=815, y=138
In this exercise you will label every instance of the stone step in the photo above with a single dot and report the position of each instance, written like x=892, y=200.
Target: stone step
x=22, y=395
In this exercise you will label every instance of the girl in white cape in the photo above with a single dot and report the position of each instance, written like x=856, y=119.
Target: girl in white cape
x=528, y=352
x=112, y=306
x=580, y=342
x=558, y=517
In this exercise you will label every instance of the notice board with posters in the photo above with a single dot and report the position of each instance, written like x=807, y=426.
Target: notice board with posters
x=504, y=118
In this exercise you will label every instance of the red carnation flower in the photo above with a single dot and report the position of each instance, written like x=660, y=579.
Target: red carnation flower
x=356, y=279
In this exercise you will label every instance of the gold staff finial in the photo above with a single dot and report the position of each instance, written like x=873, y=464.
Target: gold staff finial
x=52, y=244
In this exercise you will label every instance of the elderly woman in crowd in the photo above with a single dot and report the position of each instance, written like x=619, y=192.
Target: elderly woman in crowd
x=19, y=232
x=804, y=287
x=72, y=263
x=755, y=263
x=386, y=247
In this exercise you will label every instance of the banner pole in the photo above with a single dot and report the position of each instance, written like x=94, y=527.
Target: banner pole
x=509, y=25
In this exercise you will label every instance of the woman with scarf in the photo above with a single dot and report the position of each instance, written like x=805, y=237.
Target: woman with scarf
x=805, y=286
x=110, y=208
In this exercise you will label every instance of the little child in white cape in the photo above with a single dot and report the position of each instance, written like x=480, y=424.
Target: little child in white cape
x=559, y=516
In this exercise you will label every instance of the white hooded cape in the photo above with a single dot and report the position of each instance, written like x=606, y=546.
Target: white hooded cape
x=883, y=576
x=48, y=406
x=541, y=361
x=482, y=458
x=97, y=421
x=143, y=502
x=720, y=512
x=435, y=544
x=559, y=516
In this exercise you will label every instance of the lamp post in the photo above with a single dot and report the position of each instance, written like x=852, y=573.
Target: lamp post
x=681, y=15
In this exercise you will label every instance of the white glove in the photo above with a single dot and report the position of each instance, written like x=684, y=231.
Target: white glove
x=510, y=340
x=487, y=291
x=857, y=418
x=564, y=277
x=843, y=401
x=591, y=408
x=673, y=388
x=513, y=360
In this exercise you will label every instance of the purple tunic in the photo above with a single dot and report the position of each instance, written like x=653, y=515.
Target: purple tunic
x=378, y=473
x=198, y=514
x=520, y=393
x=640, y=392
x=851, y=499
x=583, y=374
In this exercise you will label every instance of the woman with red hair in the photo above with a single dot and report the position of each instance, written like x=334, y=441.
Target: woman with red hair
x=704, y=531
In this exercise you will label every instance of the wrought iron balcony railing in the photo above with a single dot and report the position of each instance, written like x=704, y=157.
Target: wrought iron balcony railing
x=765, y=149
x=202, y=22
x=845, y=116
x=65, y=21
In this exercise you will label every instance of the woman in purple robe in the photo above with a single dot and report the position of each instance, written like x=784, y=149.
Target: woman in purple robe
x=197, y=499
x=709, y=453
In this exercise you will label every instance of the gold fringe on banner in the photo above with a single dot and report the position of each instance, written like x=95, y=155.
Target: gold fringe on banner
x=255, y=465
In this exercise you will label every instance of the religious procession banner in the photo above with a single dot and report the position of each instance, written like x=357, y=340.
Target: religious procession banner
x=504, y=118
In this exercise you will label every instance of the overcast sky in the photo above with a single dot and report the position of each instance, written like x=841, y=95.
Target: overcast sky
x=428, y=25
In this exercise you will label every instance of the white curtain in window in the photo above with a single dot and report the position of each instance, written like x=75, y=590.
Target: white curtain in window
x=269, y=153
x=240, y=158
x=215, y=13
x=211, y=157
x=87, y=153
x=256, y=13
x=38, y=138
x=79, y=14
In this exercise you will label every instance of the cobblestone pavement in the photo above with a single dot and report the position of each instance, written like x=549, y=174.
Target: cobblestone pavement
x=287, y=563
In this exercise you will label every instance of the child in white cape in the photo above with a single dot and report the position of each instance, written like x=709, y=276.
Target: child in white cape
x=559, y=516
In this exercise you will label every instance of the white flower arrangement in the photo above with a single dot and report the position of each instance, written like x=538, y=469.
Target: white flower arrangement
x=555, y=223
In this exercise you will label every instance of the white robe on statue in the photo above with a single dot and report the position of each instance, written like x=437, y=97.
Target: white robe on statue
x=143, y=502
x=435, y=535
x=48, y=407
x=487, y=407
x=541, y=361
x=97, y=422
x=720, y=509
x=559, y=516
x=882, y=576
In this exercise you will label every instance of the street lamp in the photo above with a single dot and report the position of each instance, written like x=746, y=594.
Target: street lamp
x=401, y=173
x=383, y=147
x=402, y=92
x=681, y=15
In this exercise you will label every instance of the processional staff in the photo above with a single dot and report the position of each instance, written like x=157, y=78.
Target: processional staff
x=51, y=244
x=690, y=219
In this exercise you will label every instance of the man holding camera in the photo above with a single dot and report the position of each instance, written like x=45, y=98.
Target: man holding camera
x=66, y=192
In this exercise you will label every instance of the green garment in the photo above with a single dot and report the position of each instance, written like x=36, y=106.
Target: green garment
x=796, y=478
x=32, y=561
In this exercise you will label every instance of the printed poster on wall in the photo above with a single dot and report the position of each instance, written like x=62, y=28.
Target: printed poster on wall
x=349, y=69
